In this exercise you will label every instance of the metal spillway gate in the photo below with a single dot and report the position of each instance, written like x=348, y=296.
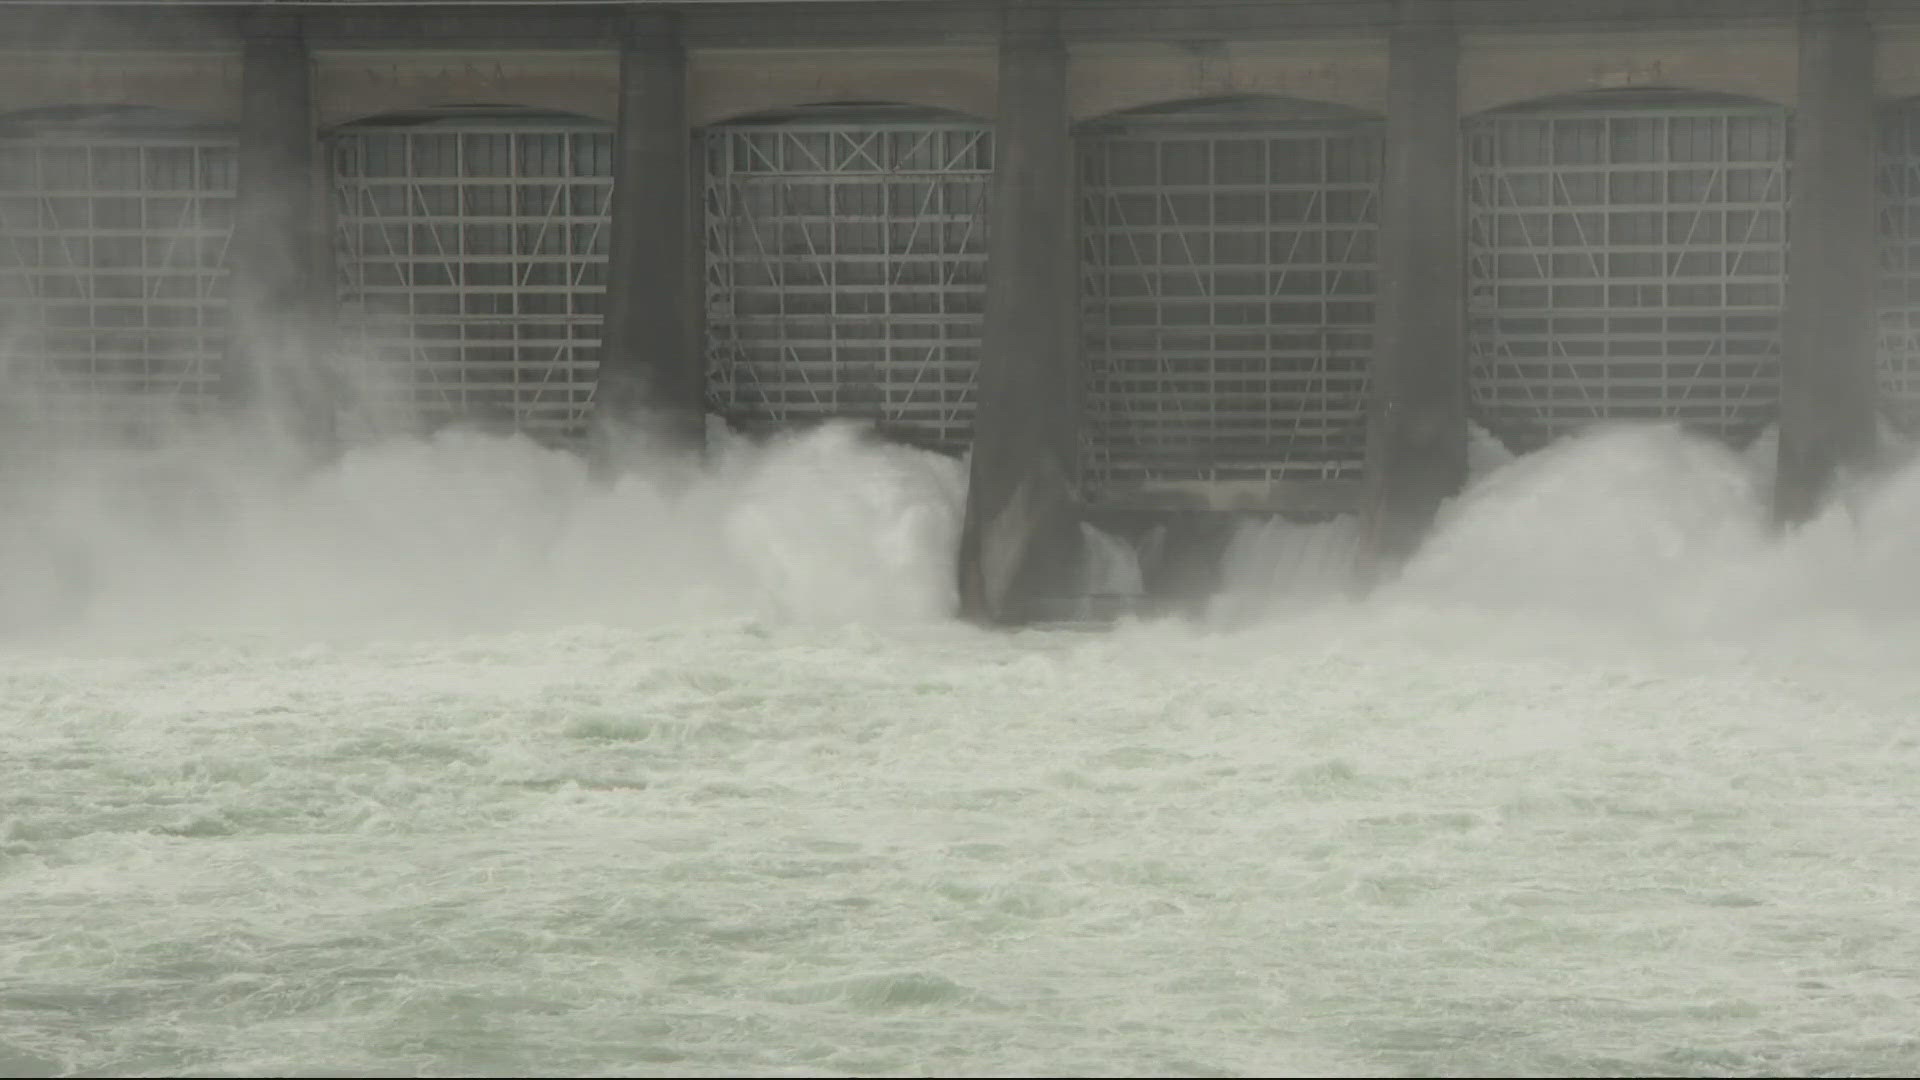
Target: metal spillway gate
x=1626, y=260
x=113, y=282
x=846, y=271
x=472, y=254
x=1228, y=291
x=1899, y=339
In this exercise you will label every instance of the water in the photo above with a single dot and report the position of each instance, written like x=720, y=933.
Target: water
x=451, y=761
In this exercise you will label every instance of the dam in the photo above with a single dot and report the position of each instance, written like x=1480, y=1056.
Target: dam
x=1155, y=268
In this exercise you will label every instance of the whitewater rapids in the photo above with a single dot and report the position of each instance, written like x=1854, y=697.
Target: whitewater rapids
x=448, y=760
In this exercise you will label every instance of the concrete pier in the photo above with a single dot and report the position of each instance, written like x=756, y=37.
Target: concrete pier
x=1827, y=363
x=652, y=373
x=487, y=319
x=280, y=297
x=1021, y=536
x=1417, y=445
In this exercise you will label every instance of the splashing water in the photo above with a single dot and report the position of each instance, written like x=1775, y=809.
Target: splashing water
x=1113, y=566
x=465, y=531
x=448, y=758
x=1622, y=521
x=1273, y=564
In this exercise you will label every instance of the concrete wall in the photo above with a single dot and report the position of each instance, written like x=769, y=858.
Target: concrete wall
x=1347, y=71
x=1896, y=62
x=354, y=84
x=727, y=83
x=350, y=85
x=723, y=83
x=205, y=84
x=1499, y=69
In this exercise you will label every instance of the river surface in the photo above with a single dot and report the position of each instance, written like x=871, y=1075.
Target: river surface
x=448, y=760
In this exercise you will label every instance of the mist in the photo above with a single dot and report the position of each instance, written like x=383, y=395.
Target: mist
x=339, y=739
x=192, y=524
x=442, y=750
x=445, y=753
x=233, y=528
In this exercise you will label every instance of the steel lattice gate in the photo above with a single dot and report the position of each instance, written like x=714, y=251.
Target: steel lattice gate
x=472, y=259
x=1626, y=263
x=113, y=286
x=845, y=267
x=1899, y=339
x=1228, y=301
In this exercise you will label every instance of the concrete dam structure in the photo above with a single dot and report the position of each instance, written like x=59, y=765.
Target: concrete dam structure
x=1152, y=266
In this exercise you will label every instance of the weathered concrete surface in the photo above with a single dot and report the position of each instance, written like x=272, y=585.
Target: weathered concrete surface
x=722, y=83
x=652, y=374
x=205, y=84
x=727, y=83
x=1502, y=68
x=1828, y=373
x=1417, y=434
x=1021, y=538
x=1896, y=60
x=1347, y=71
x=1497, y=68
x=351, y=85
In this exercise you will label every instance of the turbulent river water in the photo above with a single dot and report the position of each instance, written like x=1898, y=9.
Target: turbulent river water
x=449, y=760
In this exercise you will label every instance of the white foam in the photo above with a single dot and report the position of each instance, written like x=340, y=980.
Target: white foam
x=1635, y=526
x=1112, y=564
x=1627, y=520
x=465, y=531
x=1276, y=565
x=1508, y=817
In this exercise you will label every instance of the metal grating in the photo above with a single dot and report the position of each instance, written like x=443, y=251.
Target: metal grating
x=846, y=273
x=472, y=257
x=1899, y=338
x=1228, y=301
x=113, y=288
x=1626, y=263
